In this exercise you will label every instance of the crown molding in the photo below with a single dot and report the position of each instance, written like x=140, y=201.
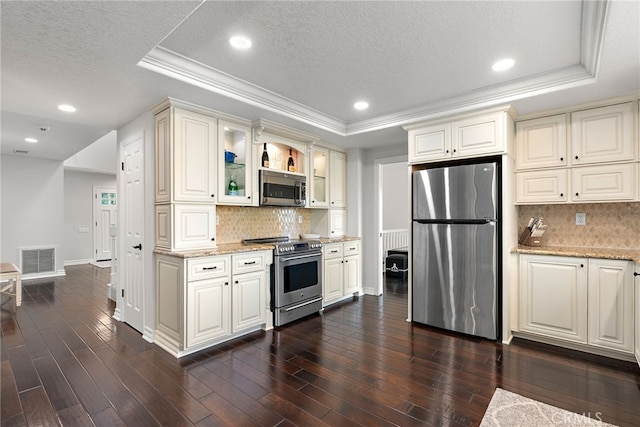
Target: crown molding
x=594, y=13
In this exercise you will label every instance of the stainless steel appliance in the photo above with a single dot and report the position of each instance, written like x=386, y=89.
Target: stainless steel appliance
x=455, y=257
x=296, y=278
x=282, y=189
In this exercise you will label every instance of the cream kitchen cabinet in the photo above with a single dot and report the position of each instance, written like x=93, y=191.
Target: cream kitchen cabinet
x=319, y=177
x=329, y=222
x=473, y=136
x=186, y=156
x=553, y=297
x=581, y=301
x=602, y=135
x=341, y=275
x=182, y=226
x=543, y=186
x=541, y=142
x=613, y=182
x=235, y=161
x=611, y=311
x=338, y=179
x=204, y=301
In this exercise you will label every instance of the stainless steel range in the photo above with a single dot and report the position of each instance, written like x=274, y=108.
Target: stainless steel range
x=296, y=278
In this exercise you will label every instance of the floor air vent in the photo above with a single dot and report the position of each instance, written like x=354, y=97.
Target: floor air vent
x=41, y=260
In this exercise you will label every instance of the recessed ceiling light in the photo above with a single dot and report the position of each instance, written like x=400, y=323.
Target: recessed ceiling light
x=67, y=108
x=361, y=105
x=240, y=42
x=503, y=64
x=31, y=140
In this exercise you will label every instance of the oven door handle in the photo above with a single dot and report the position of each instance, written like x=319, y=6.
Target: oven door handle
x=301, y=305
x=297, y=257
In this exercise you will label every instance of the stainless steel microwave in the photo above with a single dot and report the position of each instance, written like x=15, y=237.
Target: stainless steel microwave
x=282, y=189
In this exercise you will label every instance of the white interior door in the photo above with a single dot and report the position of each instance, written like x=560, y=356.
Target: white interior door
x=132, y=259
x=104, y=215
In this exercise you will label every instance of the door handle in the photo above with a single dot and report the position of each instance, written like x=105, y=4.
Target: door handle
x=138, y=246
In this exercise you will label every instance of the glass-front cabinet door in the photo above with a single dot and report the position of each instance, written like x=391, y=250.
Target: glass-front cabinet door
x=319, y=177
x=235, y=169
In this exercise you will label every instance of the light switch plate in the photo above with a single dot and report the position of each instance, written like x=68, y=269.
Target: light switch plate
x=581, y=219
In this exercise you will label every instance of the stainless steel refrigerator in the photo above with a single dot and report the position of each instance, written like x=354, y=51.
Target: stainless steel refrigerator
x=455, y=248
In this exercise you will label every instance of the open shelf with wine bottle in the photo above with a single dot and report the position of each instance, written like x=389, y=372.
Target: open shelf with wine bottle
x=281, y=157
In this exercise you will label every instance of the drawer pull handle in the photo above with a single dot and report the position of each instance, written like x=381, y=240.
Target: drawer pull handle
x=636, y=274
x=211, y=268
x=335, y=251
x=249, y=263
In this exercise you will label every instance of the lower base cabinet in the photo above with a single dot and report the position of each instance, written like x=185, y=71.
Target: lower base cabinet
x=207, y=300
x=342, y=268
x=578, y=300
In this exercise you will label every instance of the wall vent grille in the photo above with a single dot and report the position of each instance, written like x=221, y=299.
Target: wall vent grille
x=39, y=260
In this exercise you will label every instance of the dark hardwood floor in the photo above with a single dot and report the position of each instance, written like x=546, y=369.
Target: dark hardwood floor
x=66, y=361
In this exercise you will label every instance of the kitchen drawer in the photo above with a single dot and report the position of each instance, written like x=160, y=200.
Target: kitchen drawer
x=332, y=250
x=247, y=262
x=207, y=267
x=352, y=248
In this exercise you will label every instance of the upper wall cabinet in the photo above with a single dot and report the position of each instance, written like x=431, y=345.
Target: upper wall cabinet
x=473, y=136
x=338, y=182
x=542, y=143
x=319, y=187
x=602, y=135
x=235, y=165
x=186, y=145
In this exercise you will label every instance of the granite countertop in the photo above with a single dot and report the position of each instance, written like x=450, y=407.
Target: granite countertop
x=587, y=252
x=326, y=240
x=223, y=249
x=236, y=248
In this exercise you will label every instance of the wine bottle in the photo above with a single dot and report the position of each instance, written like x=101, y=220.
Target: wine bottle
x=233, y=186
x=291, y=167
x=265, y=157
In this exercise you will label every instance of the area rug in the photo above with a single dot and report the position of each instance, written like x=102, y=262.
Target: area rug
x=510, y=409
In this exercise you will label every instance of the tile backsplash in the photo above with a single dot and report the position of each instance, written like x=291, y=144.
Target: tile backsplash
x=237, y=223
x=608, y=225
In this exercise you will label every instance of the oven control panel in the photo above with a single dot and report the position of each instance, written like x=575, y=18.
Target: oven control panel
x=294, y=247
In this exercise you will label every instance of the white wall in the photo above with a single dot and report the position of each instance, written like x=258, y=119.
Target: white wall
x=395, y=196
x=32, y=196
x=99, y=157
x=388, y=154
x=354, y=193
x=78, y=212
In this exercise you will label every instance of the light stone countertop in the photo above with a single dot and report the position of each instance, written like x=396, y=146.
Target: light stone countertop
x=236, y=248
x=223, y=249
x=586, y=252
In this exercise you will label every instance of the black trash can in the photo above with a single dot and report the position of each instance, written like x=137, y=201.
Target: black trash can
x=396, y=265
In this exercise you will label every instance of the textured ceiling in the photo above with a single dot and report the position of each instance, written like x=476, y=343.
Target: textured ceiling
x=310, y=61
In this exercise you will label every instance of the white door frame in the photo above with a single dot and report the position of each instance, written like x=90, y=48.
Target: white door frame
x=378, y=201
x=98, y=226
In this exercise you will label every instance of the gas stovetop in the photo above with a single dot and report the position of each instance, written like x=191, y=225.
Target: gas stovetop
x=284, y=245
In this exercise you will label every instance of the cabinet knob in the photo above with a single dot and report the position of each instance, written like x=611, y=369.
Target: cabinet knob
x=249, y=197
x=213, y=239
x=447, y=151
x=454, y=150
x=576, y=157
x=236, y=282
x=561, y=194
x=562, y=159
x=226, y=283
x=581, y=265
x=577, y=194
x=313, y=201
x=213, y=195
x=636, y=274
x=333, y=203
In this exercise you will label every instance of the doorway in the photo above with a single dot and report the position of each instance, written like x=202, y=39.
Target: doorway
x=104, y=217
x=393, y=225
